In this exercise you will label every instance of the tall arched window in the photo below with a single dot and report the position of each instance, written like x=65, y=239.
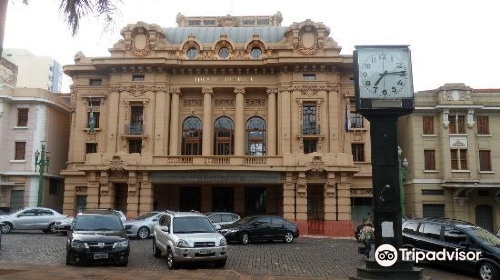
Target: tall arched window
x=256, y=136
x=224, y=136
x=192, y=130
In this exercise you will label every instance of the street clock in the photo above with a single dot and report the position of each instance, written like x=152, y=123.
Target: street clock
x=383, y=79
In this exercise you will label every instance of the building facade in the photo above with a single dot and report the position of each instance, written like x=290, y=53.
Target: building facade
x=35, y=71
x=8, y=74
x=452, y=144
x=27, y=118
x=234, y=114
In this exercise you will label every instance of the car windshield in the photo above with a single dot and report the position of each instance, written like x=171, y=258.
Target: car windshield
x=193, y=225
x=486, y=237
x=245, y=220
x=98, y=222
x=147, y=215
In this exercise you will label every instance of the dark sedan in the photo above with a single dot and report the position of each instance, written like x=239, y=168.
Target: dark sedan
x=255, y=228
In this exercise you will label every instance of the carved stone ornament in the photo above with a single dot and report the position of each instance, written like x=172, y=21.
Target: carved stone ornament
x=116, y=163
x=207, y=90
x=228, y=21
x=80, y=189
x=239, y=90
x=357, y=136
x=317, y=164
x=362, y=191
x=272, y=90
x=255, y=102
x=141, y=39
x=138, y=90
x=193, y=102
x=224, y=102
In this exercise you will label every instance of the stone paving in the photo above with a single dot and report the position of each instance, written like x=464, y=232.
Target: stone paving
x=306, y=258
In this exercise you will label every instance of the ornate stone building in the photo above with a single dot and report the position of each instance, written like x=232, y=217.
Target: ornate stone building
x=226, y=113
x=452, y=145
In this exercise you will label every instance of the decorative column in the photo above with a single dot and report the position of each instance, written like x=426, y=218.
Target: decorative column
x=114, y=98
x=159, y=120
x=271, y=121
x=174, y=124
x=132, y=195
x=239, y=133
x=329, y=198
x=301, y=195
x=334, y=113
x=207, y=121
x=285, y=118
x=145, y=195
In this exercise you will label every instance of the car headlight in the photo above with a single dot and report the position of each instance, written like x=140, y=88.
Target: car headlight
x=223, y=242
x=182, y=244
x=120, y=244
x=78, y=245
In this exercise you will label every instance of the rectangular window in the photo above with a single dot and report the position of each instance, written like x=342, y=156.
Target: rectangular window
x=95, y=82
x=310, y=146
x=309, y=77
x=430, y=160
x=262, y=22
x=457, y=124
x=358, y=152
x=485, y=160
x=356, y=120
x=22, y=117
x=483, y=126
x=309, y=124
x=134, y=146
x=209, y=22
x=432, y=192
x=459, y=159
x=54, y=186
x=138, y=78
x=91, y=148
x=20, y=152
x=194, y=22
x=432, y=210
x=428, y=125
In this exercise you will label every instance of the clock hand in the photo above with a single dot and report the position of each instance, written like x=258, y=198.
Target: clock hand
x=380, y=78
x=402, y=73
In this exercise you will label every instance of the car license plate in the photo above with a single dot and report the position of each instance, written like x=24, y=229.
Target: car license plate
x=205, y=252
x=100, y=256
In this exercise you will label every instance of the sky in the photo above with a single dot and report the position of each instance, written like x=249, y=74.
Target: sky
x=451, y=41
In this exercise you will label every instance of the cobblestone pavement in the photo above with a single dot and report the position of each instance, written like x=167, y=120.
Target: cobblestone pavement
x=306, y=258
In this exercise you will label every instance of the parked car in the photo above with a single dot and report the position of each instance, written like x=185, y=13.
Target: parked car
x=260, y=228
x=436, y=234
x=96, y=238
x=222, y=218
x=1, y=236
x=187, y=237
x=142, y=226
x=64, y=225
x=3, y=213
x=33, y=218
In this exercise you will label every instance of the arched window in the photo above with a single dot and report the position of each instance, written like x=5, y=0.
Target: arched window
x=256, y=136
x=224, y=136
x=256, y=53
x=192, y=131
x=192, y=53
x=223, y=52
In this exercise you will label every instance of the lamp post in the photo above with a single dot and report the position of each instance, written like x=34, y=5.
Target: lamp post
x=41, y=160
x=403, y=167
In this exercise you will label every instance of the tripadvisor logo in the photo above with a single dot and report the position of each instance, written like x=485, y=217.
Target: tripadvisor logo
x=386, y=255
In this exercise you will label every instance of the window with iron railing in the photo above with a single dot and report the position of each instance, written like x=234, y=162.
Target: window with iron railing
x=309, y=119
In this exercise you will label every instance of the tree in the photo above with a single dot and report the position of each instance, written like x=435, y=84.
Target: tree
x=73, y=11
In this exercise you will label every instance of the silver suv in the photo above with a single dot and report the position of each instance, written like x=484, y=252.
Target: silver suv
x=186, y=237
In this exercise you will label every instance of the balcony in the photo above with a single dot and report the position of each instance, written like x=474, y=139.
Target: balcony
x=257, y=161
x=311, y=129
x=134, y=129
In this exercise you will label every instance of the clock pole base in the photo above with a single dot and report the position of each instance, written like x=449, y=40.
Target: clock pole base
x=399, y=271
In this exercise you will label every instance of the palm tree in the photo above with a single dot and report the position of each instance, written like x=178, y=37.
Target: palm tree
x=72, y=11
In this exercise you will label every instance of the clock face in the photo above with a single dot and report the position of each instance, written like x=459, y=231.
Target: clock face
x=384, y=73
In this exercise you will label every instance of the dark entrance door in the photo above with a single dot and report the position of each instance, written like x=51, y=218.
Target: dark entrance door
x=484, y=217
x=121, y=197
x=81, y=203
x=222, y=199
x=16, y=200
x=255, y=201
x=190, y=199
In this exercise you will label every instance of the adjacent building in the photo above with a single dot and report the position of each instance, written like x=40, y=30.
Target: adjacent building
x=452, y=143
x=35, y=71
x=235, y=114
x=29, y=117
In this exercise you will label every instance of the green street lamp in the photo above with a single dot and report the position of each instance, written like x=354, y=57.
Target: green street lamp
x=403, y=169
x=42, y=160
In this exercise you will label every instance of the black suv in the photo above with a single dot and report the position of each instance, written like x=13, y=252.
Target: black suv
x=97, y=237
x=436, y=234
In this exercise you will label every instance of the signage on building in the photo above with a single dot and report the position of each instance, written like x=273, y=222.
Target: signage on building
x=458, y=142
x=217, y=177
x=225, y=79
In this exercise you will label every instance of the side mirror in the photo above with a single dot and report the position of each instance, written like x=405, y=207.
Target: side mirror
x=217, y=227
x=164, y=228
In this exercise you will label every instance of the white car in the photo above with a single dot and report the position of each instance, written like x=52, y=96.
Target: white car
x=32, y=218
x=222, y=218
x=142, y=226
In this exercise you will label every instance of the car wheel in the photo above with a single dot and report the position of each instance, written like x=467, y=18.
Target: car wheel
x=124, y=263
x=288, y=237
x=245, y=238
x=171, y=264
x=156, y=251
x=221, y=263
x=6, y=228
x=51, y=228
x=488, y=271
x=143, y=233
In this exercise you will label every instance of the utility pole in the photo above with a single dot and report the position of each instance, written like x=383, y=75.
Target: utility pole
x=41, y=160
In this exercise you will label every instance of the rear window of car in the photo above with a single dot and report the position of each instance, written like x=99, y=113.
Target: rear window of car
x=98, y=222
x=276, y=221
x=215, y=218
x=454, y=235
x=227, y=218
